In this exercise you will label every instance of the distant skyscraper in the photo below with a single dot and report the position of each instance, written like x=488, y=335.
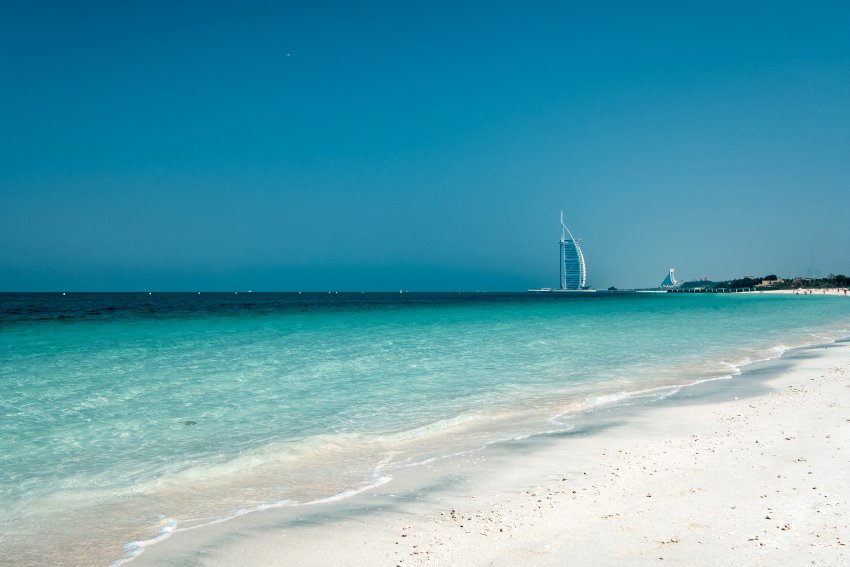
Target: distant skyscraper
x=573, y=271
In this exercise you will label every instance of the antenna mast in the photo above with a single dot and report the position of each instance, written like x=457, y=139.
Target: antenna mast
x=565, y=231
x=563, y=228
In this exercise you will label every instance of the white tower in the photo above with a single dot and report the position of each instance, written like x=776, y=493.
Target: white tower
x=573, y=270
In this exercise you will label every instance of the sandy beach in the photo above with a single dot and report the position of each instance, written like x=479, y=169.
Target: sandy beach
x=842, y=291
x=748, y=471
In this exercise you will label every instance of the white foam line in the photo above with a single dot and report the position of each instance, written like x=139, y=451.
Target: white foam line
x=284, y=503
x=348, y=493
x=621, y=399
x=704, y=380
x=430, y=460
x=241, y=512
x=136, y=548
x=522, y=436
x=596, y=403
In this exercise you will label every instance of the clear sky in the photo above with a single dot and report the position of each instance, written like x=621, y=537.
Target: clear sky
x=419, y=145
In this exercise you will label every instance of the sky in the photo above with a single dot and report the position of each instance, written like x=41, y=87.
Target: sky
x=283, y=146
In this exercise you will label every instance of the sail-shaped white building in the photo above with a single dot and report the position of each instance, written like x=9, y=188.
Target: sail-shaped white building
x=670, y=280
x=573, y=270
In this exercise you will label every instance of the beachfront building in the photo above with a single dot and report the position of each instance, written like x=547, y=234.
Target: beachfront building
x=670, y=280
x=573, y=270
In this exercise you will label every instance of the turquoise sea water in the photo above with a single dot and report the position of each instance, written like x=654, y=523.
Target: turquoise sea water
x=125, y=417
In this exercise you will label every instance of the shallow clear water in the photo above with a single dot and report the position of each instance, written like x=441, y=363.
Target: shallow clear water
x=132, y=414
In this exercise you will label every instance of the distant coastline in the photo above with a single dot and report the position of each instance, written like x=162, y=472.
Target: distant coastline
x=834, y=284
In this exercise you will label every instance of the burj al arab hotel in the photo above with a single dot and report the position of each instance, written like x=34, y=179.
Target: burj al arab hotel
x=573, y=270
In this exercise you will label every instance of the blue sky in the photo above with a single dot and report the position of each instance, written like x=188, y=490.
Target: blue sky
x=423, y=145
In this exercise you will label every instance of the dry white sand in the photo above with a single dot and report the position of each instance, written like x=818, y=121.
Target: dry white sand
x=842, y=291
x=749, y=471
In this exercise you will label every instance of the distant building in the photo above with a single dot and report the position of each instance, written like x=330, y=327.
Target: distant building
x=770, y=282
x=573, y=270
x=670, y=280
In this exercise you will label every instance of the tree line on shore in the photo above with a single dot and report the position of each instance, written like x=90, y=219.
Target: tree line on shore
x=772, y=281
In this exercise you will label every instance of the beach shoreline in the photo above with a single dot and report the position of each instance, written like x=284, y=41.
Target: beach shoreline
x=742, y=471
x=839, y=291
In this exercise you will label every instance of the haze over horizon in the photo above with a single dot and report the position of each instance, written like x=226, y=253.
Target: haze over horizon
x=424, y=146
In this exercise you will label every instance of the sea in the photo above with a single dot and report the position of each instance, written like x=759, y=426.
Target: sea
x=128, y=417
